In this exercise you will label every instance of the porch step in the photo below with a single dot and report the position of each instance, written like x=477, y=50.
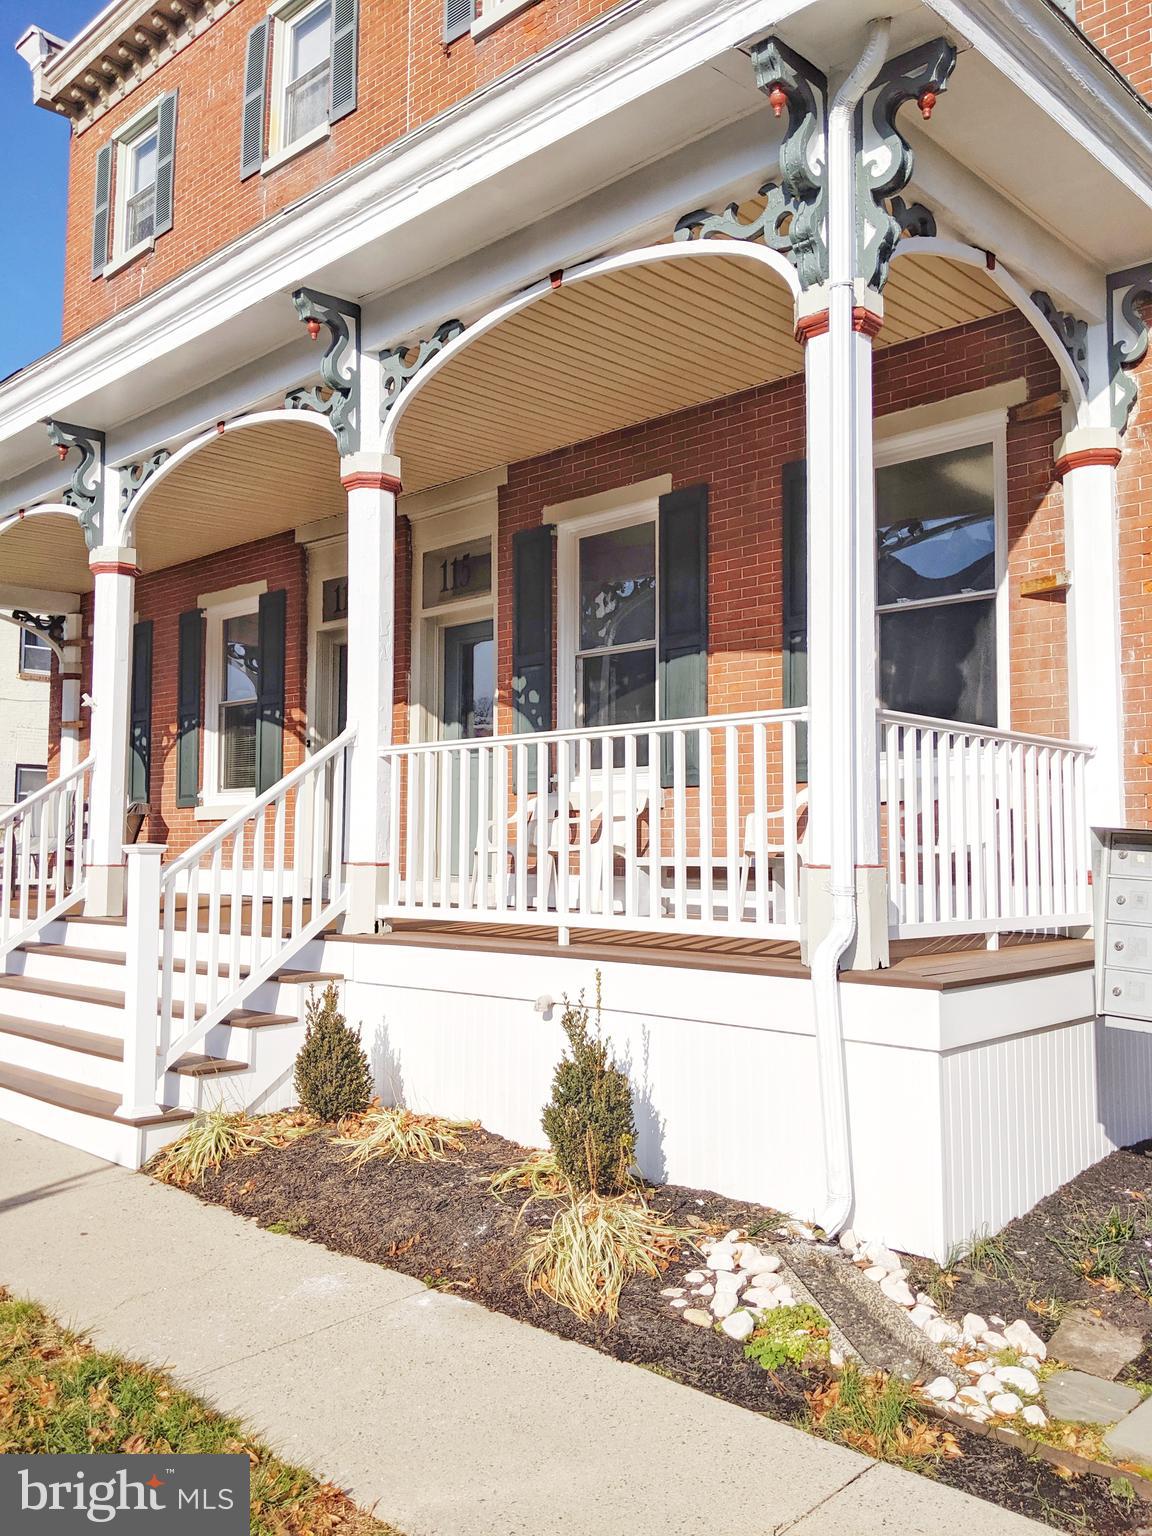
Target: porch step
x=79, y=1098
x=247, y=1018
x=113, y=957
x=64, y=1036
x=206, y=1066
x=308, y=977
x=71, y=991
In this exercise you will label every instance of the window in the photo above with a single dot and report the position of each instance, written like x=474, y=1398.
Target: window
x=29, y=778
x=617, y=626
x=232, y=682
x=308, y=46
x=939, y=547
x=492, y=13
x=134, y=180
x=35, y=654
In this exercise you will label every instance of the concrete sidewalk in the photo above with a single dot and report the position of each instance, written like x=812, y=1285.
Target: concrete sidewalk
x=452, y=1420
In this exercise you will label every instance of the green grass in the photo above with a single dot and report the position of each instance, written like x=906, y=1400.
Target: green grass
x=1097, y=1247
x=60, y=1395
x=881, y=1417
x=789, y=1336
x=288, y=1226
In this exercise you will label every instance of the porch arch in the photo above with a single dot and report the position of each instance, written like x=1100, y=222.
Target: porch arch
x=1012, y=289
x=42, y=550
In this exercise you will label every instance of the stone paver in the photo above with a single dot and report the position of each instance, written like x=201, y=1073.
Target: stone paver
x=451, y=1420
x=1084, y=1399
x=1090, y=1343
x=1131, y=1439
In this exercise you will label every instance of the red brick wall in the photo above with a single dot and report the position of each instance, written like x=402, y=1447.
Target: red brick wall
x=406, y=76
x=740, y=445
x=1123, y=30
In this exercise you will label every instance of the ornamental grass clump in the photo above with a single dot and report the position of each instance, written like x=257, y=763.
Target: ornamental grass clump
x=399, y=1135
x=214, y=1136
x=333, y=1079
x=593, y=1246
x=589, y=1121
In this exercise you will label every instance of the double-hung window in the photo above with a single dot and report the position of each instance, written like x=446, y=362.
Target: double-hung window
x=140, y=161
x=617, y=624
x=308, y=46
x=299, y=77
x=232, y=682
x=35, y=654
x=939, y=555
x=134, y=187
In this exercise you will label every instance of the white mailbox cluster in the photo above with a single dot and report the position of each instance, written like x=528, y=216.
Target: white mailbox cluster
x=1122, y=882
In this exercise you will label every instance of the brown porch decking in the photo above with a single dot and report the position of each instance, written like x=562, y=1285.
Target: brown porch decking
x=930, y=964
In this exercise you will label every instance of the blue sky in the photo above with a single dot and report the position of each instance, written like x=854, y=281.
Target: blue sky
x=35, y=186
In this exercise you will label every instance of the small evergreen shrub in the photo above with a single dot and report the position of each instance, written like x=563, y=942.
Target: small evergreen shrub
x=332, y=1077
x=588, y=1121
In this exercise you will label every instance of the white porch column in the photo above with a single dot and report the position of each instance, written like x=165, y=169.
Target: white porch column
x=70, y=678
x=114, y=570
x=372, y=481
x=843, y=766
x=1086, y=461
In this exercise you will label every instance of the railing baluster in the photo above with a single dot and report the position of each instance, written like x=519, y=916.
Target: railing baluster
x=428, y=830
x=501, y=823
x=191, y=944
x=320, y=800
x=520, y=902
x=655, y=829
x=214, y=899
x=1044, y=826
x=446, y=764
x=483, y=823
x=296, y=875
x=395, y=792
x=257, y=943
x=1032, y=833
x=235, y=912
x=791, y=836
x=733, y=826
x=760, y=818
x=929, y=822
x=631, y=832
x=897, y=850
x=679, y=826
x=707, y=873
x=543, y=828
x=278, y=871
x=1058, y=760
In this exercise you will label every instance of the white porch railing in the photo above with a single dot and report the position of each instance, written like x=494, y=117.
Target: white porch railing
x=985, y=831
x=225, y=915
x=689, y=825
x=42, y=848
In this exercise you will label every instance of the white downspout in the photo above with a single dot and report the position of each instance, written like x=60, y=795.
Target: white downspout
x=845, y=723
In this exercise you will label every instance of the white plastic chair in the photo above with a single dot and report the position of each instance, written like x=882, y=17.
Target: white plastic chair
x=774, y=852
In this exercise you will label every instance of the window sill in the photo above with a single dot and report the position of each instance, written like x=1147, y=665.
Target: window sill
x=120, y=262
x=290, y=151
x=221, y=810
x=500, y=14
x=35, y=677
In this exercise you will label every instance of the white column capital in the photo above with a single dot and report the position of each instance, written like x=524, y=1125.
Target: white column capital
x=1088, y=448
x=107, y=556
x=370, y=471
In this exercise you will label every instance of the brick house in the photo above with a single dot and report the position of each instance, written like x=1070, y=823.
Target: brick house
x=651, y=487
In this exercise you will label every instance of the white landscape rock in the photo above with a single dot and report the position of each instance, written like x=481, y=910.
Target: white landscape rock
x=924, y=1300
x=994, y=1341
x=884, y=1257
x=699, y=1318
x=706, y=1289
x=723, y=1304
x=972, y=1397
x=728, y=1282
x=849, y=1241
x=989, y=1384
x=739, y=1325
x=876, y=1272
x=941, y=1331
x=681, y=1302
x=1005, y=1402
x=942, y=1390
x=898, y=1291
x=756, y=1263
x=734, y=1236
x=760, y=1297
x=976, y=1368
x=1035, y=1416
x=784, y=1297
x=973, y=1326
x=1019, y=1379
x=697, y=1277
x=920, y=1317
x=672, y=1290
x=1020, y=1336
x=721, y=1258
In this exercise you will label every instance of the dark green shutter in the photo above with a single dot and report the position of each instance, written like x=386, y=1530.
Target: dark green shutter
x=683, y=653
x=532, y=628
x=102, y=213
x=190, y=670
x=458, y=18
x=165, y=162
x=795, y=563
x=140, y=756
x=345, y=22
x=255, y=85
x=270, y=690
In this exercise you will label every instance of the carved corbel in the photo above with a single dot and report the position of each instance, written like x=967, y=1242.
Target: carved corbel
x=339, y=367
x=1073, y=333
x=134, y=476
x=793, y=218
x=87, y=477
x=1128, y=293
x=46, y=626
x=886, y=160
x=400, y=365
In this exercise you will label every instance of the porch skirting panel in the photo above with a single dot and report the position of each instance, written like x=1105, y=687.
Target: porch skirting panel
x=967, y=1105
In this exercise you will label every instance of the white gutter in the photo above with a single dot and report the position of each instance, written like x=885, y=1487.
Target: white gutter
x=845, y=724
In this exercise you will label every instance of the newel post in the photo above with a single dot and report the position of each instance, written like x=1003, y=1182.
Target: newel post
x=114, y=580
x=372, y=481
x=142, y=981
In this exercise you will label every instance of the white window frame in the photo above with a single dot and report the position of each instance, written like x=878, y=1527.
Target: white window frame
x=988, y=429
x=282, y=18
x=34, y=674
x=568, y=648
x=219, y=804
x=26, y=768
x=125, y=139
x=494, y=13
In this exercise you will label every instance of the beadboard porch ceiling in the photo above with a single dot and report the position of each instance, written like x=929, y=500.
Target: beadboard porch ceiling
x=588, y=359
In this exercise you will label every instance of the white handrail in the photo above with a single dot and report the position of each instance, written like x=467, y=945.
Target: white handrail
x=986, y=733
x=38, y=878
x=264, y=882
x=582, y=732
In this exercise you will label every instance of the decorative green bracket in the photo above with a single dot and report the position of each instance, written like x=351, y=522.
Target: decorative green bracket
x=48, y=625
x=1073, y=333
x=87, y=477
x=794, y=213
x=339, y=367
x=134, y=476
x=400, y=365
x=885, y=159
x=1132, y=288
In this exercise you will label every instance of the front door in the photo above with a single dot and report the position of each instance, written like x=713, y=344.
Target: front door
x=467, y=710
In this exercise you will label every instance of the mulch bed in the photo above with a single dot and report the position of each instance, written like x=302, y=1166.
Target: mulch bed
x=440, y=1223
x=1036, y=1266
